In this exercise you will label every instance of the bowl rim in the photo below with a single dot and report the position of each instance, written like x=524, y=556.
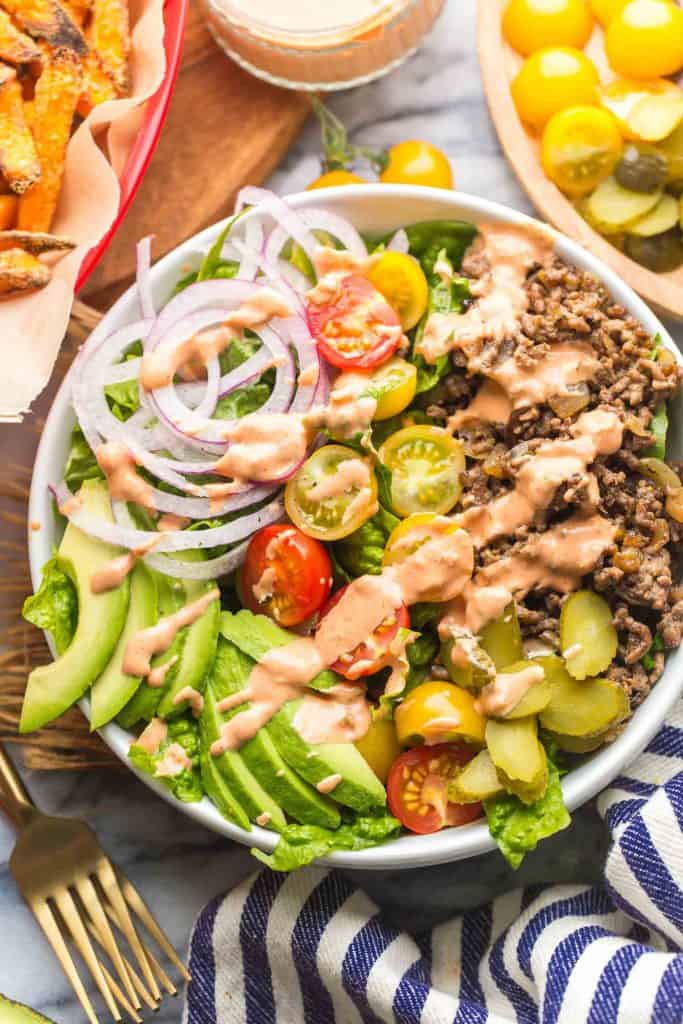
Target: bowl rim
x=407, y=851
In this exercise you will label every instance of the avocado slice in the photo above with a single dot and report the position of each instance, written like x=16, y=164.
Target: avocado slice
x=242, y=784
x=299, y=800
x=53, y=688
x=194, y=647
x=360, y=788
x=217, y=788
x=17, y=1013
x=114, y=688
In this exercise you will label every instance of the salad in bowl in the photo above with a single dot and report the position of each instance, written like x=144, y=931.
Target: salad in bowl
x=365, y=539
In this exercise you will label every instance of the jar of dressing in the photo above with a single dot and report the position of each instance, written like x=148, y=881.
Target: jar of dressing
x=320, y=44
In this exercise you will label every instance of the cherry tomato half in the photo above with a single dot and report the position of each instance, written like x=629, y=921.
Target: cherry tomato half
x=358, y=329
x=380, y=747
x=371, y=656
x=579, y=149
x=417, y=163
x=417, y=788
x=426, y=464
x=402, y=282
x=285, y=575
x=328, y=499
x=331, y=178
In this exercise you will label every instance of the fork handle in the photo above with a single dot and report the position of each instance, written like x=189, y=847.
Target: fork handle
x=14, y=798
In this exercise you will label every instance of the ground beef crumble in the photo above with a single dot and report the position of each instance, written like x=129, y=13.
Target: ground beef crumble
x=641, y=576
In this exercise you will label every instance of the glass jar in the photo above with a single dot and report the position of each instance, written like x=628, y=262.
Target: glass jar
x=311, y=44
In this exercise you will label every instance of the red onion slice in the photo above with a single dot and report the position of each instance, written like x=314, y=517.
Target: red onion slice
x=144, y=285
x=399, y=242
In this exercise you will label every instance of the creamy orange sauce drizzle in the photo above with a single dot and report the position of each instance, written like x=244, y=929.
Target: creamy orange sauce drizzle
x=506, y=690
x=262, y=819
x=331, y=266
x=263, y=447
x=193, y=697
x=158, y=368
x=119, y=466
x=170, y=521
x=147, y=642
x=329, y=783
x=156, y=677
x=34, y=526
x=174, y=761
x=153, y=735
x=349, y=410
x=71, y=505
x=595, y=433
x=309, y=376
x=114, y=572
x=350, y=475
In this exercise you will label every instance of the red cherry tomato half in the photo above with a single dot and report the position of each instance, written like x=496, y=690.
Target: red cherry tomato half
x=358, y=329
x=285, y=575
x=372, y=656
x=417, y=788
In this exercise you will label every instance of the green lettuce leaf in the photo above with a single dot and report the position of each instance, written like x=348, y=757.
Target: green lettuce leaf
x=518, y=827
x=187, y=784
x=123, y=398
x=55, y=606
x=301, y=844
x=659, y=426
x=648, y=658
x=361, y=552
x=81, y=463
x=430, y=238
x=444, y=297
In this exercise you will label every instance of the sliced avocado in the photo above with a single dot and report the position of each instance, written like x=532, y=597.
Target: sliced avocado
x=114, y=688
x=17, y=1013
x=55, y=687
x=359, y=787
x=301, y=801
x=242, y=784
x=257, y=634
x=217, y=788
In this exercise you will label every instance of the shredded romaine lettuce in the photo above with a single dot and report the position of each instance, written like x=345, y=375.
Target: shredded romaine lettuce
x=361, y=552
x=187, y=784
x=301, y=844
x=55, y=606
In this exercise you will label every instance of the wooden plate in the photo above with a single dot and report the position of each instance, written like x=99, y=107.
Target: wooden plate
x=499, y=64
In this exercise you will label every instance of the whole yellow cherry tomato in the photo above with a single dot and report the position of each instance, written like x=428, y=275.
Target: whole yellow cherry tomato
x=331, y=178
x=530, y=25
x=645, y=39
x=551, y=80
x=580, y=147
x=380, y=746
x=438, y=712
x=402, y=282
x=605, y=10
x=417, y=163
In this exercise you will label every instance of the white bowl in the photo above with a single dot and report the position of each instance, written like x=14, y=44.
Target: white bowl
x=373, y=209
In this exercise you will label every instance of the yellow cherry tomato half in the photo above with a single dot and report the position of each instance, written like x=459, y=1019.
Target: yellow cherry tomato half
x=605, y=10
x=331, y=178
x=438, y=712
x=580, y=147
x=412, y=533
x=529, y=25
x=402, y=282
x=380, y=746
x=645, y=39
x=393, y=385
x=417, y=163
x=426, y=465
x=321, y=503
x=551, y=80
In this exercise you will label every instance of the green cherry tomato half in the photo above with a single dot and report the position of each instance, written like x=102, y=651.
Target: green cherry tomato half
x=332, y=494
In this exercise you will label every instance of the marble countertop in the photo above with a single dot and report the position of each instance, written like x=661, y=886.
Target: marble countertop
x=177, y=865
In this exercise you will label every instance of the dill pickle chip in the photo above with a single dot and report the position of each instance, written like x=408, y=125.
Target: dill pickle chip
x=588, y=639
x=536, y=697
x=662, y=218
x=612, y=208
x=477, y=781
x=529, y=792
x=502, y=638
x=514, y=748
x=577, y=744
x=467, y=663
x=581, y=708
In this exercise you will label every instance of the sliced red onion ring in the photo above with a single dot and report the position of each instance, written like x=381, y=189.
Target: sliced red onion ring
x=399, y=242
x=268, y=203
x=212, y=569
x=250, y=250
x=144, y=285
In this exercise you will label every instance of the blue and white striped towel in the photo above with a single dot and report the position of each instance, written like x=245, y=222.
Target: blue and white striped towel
x=309, y=948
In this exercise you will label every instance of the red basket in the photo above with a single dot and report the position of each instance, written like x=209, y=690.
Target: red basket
x=175, y=15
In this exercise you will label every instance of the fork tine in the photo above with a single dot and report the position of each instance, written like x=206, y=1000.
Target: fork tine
x=72, y=919
x=47, y=922
x=137, y=904
x=91, y=902
x=153, y=962
x=132, y=973
x=108, y=881
x=120, y=997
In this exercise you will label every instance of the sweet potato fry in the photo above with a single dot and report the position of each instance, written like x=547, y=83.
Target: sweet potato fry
x=109, y=36
x=54, y=105
x=47, y=19
x=20, y=272
x=97, y=85
x=19, y=160
x=8, y=211
x=34, y=241
x=15, y=47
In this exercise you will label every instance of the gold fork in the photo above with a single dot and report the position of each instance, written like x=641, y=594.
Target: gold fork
x=77, y=895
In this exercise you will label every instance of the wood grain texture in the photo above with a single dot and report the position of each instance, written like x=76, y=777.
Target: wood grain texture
x=498, y=66
x=224, y=129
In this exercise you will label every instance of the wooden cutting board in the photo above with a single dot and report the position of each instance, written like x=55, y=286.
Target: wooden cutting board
x=224, y=129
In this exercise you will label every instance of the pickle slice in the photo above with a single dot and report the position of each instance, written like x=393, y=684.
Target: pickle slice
x=588, y=639
x=583, y=708
x=467, y=663
x=655, y=117
x=513, y=746
x=664, y=216
x=502, y=638
x=612, y=208
x=528, y=792
x=536, y=698
x=577, y=744
x=477, y=781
